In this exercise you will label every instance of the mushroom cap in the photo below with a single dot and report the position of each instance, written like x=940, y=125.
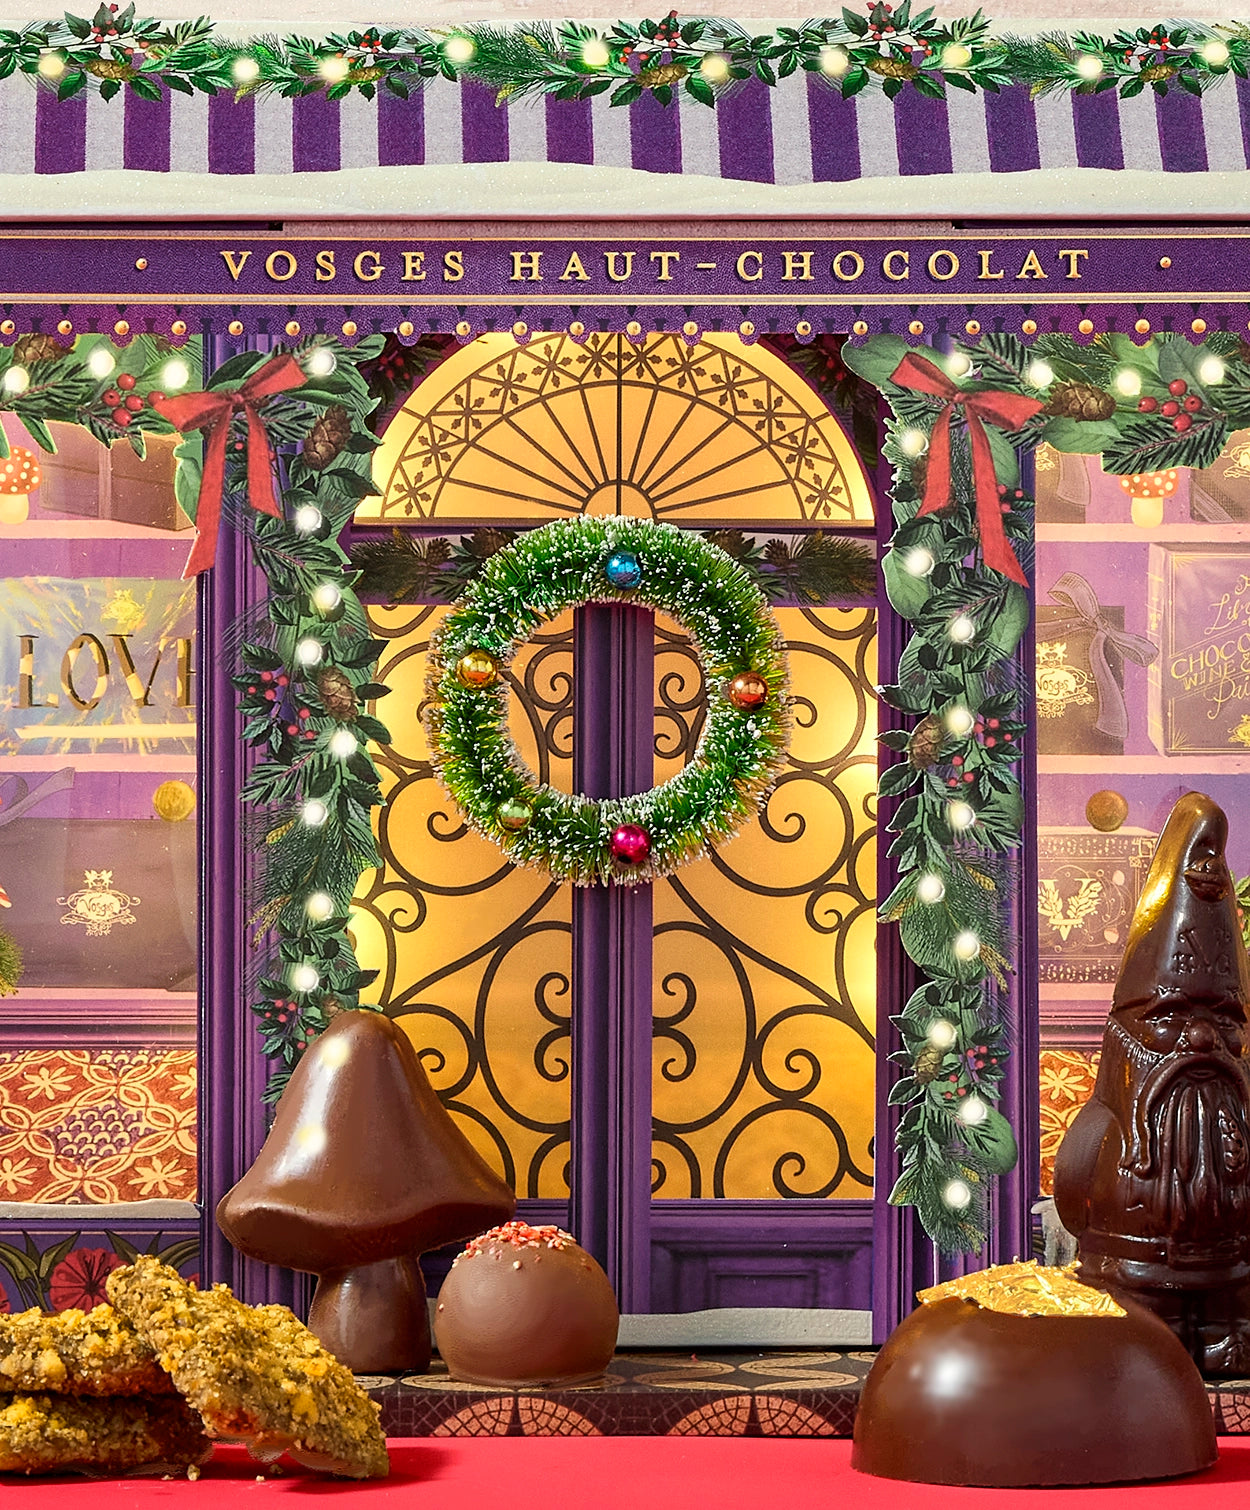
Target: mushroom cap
x=19, y=472
x=363, y=1162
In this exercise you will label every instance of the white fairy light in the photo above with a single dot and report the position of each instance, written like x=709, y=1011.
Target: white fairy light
x=314, y=813
x=304, y=978
x=1040, y=374
x=958, y=364
x=1089, y=66
x=101, y=362
x=320, y=362
x=595, y=53
x=963, y=629
x=334, y=70
x=1211, y=371
x=1128, y=382
x=326, y=597
x=175, y=374
x=973, y=1111
x=941, y=1034
x=319, y=906
x=245, y=69
x=919, y=562
x=957, y=1194
x=834, y=61
x=930, y=888
x=308, y=518
x=715, y=67
x=959, y=721
x=343, y=744
x=308, y=652
x=1214, y=53
x=961, y=816
x=966, y=944
x=913, y=442
x=956, y=56
x=459, y=49
x=51, y=64
x=16, y=379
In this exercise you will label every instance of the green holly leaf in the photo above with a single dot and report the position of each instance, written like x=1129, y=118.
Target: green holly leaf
x=907, y=593
x=992, y=1142
x=1084, y=437
x=1004, y=627
x=877, y=359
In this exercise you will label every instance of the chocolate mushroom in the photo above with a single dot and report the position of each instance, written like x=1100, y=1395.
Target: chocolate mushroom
x=363, y=1172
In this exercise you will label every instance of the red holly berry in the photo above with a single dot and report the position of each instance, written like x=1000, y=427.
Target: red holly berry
x=125, y=381
x=992, y=724
x=156, y=397
x=305, y=713
x=271, y=696
x=1007, y=738
x=970, y=776
x=1170, y=408
x=1178, y=386
x=1193, y=403
x=1182, y=422
x=111, y=398
x=134, y=403
x=284, y=681
x=266, y=676
x=121, y=418
x=990, y=742
x=1147, y=405
x=292, y=728
x=957, y=760
x=253, y=688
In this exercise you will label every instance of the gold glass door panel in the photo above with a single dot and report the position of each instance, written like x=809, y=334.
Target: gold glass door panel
x=764, y=974
x=662, y=428
x=474, y=955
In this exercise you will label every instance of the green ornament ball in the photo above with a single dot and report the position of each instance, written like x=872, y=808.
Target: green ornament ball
x=514, y=814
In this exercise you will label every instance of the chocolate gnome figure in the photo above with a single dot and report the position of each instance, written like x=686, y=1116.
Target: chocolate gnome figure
x=1153, y=1178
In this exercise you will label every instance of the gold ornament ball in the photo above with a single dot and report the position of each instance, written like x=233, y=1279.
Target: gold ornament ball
x=477, y=668
x=514, y=814
x=748, y=691
x=174, y=801
x=1106, y=811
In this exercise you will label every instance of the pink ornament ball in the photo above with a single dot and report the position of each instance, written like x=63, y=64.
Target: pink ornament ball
x=630, y=844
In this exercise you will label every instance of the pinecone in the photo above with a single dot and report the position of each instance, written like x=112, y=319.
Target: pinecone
x=106, y=68
x=926, y=742
x=337, y=693
x=365, y=75
x=437, y=551
x=27, y=350
x=327, y=437
x=928, y=1063
x=663, y=73
x=1157, y=72
x=1080, y=401
x=777, y=554
x=484, y=543
x=891, y=68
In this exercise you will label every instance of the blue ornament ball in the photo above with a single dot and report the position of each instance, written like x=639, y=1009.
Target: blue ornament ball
x=622, y=569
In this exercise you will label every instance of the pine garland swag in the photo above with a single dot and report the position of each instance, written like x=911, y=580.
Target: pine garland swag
x=565, y=565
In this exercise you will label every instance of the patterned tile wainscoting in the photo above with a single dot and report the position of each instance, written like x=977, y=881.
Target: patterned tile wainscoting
x=1067, y=1078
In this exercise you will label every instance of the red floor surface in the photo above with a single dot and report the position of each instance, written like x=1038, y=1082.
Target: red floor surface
x=613, y=1473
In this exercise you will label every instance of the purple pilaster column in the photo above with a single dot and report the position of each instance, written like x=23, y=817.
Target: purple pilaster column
x=233, y=1070
x=610, y=1201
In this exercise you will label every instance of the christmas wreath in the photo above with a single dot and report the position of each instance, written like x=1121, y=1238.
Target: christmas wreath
x=623, y=839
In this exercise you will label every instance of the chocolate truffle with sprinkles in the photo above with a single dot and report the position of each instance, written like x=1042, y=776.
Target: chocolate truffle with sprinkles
x=525, y=1307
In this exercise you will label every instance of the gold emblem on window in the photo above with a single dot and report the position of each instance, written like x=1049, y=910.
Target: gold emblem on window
x=1059, y=684
x=98, y=905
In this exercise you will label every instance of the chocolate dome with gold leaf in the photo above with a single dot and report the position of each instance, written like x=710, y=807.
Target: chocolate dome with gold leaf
x=1021, y=1375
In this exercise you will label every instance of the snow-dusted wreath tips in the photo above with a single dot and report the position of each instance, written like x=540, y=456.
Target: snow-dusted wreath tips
x=623, y=840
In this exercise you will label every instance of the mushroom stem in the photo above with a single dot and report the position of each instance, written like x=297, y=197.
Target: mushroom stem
x=374, y=1318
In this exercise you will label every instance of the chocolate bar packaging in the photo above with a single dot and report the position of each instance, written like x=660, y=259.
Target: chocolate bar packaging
x=1088, y=885
x=1199, y=601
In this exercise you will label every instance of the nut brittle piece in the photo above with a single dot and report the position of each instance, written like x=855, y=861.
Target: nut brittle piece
x=94, y=1352
x=55, y=1433
x=255, y=1373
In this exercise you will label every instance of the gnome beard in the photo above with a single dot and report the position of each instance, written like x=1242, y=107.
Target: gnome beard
x=1187, y=1136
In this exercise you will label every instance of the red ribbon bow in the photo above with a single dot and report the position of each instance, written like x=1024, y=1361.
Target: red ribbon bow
x=212, y=412
x=1006, y=410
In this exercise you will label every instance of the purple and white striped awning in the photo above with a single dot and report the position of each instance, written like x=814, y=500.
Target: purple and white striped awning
x=797, y=133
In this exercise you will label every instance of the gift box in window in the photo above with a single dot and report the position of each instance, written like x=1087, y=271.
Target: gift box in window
x=1220, y=493
x=1061, y=486
x=98, y=902
x=1081, y=649
x=1088, y=885
x=1199, y=600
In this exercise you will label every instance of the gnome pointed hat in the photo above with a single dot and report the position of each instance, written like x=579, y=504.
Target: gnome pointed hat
x=1184, y=940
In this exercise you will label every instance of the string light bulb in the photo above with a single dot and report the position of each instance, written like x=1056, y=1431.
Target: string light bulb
x=966, y=945
x=459, y=49
x=320, y=362
x=343, y=744
x=304, y=978
x=326, y=597
x=930, y=888
x=957, y=1194
x=51, y=64
x=1214, y=53
x=941, y=1034
x=960, y=816
x=1211, y=371
x=1089, y=66
x=308, y=519
x=175, y=374
x=958, y=364
x=1040, y=374
x=963, y=629
x=913, y=442
x=595, y=53
x=16, y=379
x=834, y=61
x=973, y=1112
x=314, y=813
x=319, y=906
x=308, y=652
x=334, y=69
x=714, y=67
x=245, y=69
x=101, y=362
x=956, y=56
x=1128, y=382
x=959, y=721
x=919, y=561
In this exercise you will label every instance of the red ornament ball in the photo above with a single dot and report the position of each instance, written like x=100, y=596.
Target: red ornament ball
x=630, y=844
x=748, y=691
